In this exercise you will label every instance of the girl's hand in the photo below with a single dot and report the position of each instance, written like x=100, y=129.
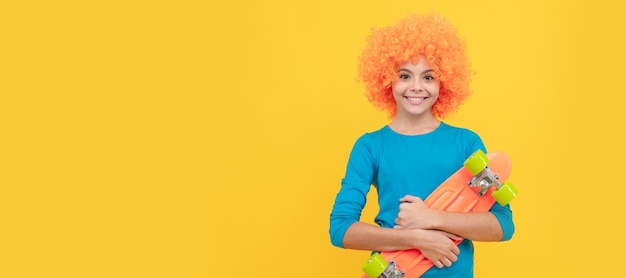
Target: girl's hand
x=438, y=247
x=414, y=214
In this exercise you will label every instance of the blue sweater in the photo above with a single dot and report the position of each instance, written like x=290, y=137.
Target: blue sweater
x=397, y=165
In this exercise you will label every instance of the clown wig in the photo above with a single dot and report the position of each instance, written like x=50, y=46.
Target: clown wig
x=429, y=35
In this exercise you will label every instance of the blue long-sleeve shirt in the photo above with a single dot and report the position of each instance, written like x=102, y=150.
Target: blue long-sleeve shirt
x=397, y=165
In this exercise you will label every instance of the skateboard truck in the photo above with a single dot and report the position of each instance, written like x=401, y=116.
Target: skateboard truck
x=483, y=178
x=377, y=267
x=483, y=181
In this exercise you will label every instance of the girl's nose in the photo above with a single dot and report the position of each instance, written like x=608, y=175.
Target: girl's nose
x=417, y=86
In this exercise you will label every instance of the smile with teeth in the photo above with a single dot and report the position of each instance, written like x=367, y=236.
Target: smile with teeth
x=415, y=100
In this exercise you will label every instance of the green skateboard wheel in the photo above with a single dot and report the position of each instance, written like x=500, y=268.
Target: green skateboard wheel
x=505, y=193
x=375, y=266
x=476, y=162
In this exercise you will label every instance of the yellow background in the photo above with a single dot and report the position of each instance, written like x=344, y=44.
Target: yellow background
x=208, y=138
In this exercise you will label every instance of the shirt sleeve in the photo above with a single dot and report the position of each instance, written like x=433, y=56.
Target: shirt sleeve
x=352, y=195
x=505, y=217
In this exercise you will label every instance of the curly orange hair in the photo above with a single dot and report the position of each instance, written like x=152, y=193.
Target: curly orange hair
x=429, y=35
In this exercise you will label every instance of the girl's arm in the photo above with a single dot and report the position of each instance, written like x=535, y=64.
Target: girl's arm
x=437, y=246
x=479, y=226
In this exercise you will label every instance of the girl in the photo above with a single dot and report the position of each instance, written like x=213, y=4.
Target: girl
x=416, y=70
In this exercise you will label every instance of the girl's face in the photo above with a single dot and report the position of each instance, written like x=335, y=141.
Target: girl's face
x=416, y=89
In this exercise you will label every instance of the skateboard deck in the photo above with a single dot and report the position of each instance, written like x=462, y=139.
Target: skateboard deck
x=474, y=187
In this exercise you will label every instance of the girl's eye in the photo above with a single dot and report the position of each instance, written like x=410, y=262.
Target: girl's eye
x=429, y=77
x=404, y=76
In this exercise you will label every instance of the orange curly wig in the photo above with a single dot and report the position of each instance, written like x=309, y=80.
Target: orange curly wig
x=429, y=35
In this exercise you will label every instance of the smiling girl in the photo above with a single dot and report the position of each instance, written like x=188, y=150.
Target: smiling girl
x=416, y=70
